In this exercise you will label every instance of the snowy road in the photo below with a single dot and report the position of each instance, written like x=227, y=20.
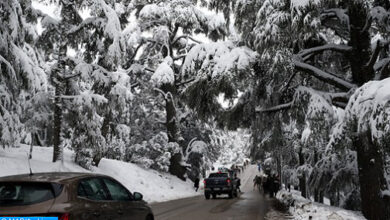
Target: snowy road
x=249, y=205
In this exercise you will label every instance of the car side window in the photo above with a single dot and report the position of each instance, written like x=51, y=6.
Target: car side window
x=92, y=188
x=116, y=190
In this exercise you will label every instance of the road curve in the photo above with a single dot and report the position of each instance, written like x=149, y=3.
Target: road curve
x=250, y=205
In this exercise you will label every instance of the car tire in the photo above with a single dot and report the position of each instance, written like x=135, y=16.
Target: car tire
x=149, y=217
x=207, y=195
x=214, y=196
x=231, y=194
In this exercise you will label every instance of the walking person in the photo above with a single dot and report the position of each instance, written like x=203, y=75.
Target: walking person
x=255, y=181
x=196, y=184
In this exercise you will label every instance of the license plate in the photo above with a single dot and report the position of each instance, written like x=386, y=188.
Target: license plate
x=217, y=189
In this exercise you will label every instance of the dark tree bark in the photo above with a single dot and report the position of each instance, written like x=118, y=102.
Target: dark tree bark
x=360, y=42
x=370, y=156
x=302, y=179
x=59, y=91
x=372, y=181
x=175, y=167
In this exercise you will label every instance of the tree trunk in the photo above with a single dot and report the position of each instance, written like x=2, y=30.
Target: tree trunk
x=57, y=122
x=369, y=154
x=321, y=196
x=302, y=179
x=175, y=167
x=171, y=122
x=372, y=181
x=360, y=42
x=59, y=91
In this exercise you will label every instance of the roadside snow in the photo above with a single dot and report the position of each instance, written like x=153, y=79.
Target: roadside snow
x=303, y=209
x=155, y=186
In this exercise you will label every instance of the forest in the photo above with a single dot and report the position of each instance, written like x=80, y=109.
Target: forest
x=162, y=83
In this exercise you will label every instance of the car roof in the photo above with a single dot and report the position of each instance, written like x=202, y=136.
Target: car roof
x=56, y=177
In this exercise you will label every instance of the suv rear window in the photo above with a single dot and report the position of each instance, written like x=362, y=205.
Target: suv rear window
x=27, y=193
x=218, y=175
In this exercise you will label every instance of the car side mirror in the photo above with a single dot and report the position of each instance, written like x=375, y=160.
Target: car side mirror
x=137, y=196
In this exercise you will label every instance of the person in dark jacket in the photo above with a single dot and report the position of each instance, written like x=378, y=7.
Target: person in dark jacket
x=238, y=182
x=196, y=184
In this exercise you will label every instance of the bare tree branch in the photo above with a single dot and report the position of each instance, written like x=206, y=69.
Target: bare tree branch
x=306, y=54
x=136, y=51
x=149, y=69
x=367, y=25
x=322, y=75
x=374, y=56
x=185, y=82
x=286, y=85
x=188, y=37
x=274, y=108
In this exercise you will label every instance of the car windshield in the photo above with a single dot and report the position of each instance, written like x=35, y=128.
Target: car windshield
x=26, y=193
x=218, y=175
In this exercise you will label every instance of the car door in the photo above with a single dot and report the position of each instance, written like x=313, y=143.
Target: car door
x=129, y=208
x=94, y=200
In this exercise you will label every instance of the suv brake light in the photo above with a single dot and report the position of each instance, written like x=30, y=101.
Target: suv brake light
x=64, y=216
x=228, y=181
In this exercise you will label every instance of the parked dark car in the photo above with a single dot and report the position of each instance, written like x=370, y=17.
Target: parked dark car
x=70, y=196
x=220, y=183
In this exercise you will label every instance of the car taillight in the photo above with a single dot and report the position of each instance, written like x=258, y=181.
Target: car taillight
x=204, y=182
x=228, y=181
x=64, y=216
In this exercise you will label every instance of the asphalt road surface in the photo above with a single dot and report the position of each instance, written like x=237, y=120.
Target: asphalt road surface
x=250, y=204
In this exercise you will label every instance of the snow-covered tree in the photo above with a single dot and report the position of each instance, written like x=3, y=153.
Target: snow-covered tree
x=22, y=75
x=91, y=89
x=172, y=25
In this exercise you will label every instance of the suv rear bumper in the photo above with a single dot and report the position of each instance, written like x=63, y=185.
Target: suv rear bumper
x=218, y=190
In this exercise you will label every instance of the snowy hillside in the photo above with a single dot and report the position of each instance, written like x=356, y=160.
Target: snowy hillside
x=153, y=185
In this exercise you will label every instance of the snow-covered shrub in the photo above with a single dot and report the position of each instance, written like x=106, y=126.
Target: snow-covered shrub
x=154, y=153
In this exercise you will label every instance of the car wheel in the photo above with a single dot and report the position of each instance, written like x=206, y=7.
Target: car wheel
x=149, y=217
x=207, y=195
x=231, y=194
x=214, y=196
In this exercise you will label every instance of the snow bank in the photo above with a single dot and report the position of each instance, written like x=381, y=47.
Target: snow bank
x=155, y=186
x=302, y=208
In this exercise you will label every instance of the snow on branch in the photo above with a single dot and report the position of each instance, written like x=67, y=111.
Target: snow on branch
x=164, y=73
x=2, y=59
x=368, y=109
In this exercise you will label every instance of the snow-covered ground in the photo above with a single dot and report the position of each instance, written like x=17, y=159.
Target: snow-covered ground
x=303, y=209
x=155, y=186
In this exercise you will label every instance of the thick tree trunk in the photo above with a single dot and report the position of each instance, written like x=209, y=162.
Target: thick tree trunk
x=369, y=154
x=360, y=42
x=372, y=181
x=175, y=167
x=171, y=122
x=57, y=122
x=59, y=72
